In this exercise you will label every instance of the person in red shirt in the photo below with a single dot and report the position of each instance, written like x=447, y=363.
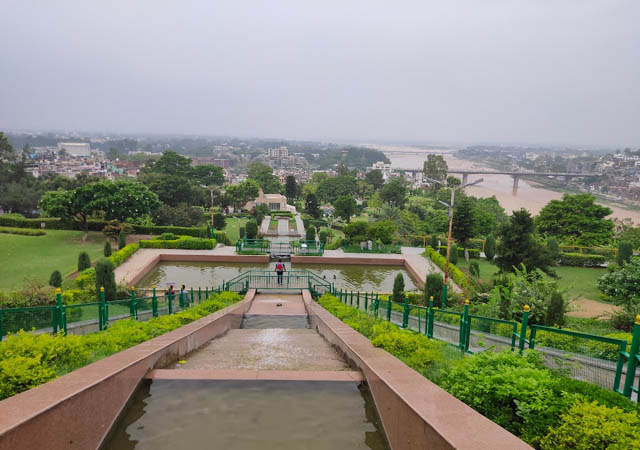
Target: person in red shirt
x=280, y=269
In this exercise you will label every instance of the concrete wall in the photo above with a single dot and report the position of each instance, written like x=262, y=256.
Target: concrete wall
x=415, y=413
x=77, y=410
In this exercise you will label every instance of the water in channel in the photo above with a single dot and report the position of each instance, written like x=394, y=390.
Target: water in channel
x=248, y=415
x=351, y=277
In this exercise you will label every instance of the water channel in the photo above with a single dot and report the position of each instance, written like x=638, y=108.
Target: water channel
x=350, y=277
x=247, y=415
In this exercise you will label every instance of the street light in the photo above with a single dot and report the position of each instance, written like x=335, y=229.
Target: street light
x=211, y=191
x=450, y=206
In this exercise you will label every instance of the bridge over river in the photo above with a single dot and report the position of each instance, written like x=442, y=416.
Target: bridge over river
x=516, y=175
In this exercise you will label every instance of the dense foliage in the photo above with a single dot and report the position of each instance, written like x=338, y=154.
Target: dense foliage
x=28, y=360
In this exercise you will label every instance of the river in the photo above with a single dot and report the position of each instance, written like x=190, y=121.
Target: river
x=528, y=196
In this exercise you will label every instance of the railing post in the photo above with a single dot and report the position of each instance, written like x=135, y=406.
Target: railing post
x=199, y=294
x=405, y=313
x=389, y=309
x=206, y=292
x=429, y=327
x=133, y=307
x=170, y=301
x=444, y=297
x=154, y=303
x=358, y=300
x=102, y=310
x=523, y=328
x=190, y=301
x=465, y=329
x=366, y=301
x=419, y=323
x=351, y=299
x=57, y=314
x=633, y=360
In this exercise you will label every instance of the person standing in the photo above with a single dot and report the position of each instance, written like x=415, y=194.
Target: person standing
x=280, y=269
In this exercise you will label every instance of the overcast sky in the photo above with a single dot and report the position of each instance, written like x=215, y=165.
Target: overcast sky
x=536, y=71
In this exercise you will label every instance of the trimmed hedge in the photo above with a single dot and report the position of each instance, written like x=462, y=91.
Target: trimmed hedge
x=199, y=232
x=87, y=278
x=28, y=360
x=22, y=231
x=473, y=252
x=456, y=274
x=584, y=260
x=183, y=242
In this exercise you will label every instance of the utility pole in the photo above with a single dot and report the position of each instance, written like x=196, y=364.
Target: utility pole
x=450, y=206
x=211, y=192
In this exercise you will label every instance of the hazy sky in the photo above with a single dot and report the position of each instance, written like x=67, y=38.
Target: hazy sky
x=538, y=71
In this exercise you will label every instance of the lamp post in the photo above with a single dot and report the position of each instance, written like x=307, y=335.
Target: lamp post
x=450, y=206
x=211, y=192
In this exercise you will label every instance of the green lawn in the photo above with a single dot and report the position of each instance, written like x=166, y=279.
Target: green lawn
x=232, y=227
x=579, y=281
x=37, y=256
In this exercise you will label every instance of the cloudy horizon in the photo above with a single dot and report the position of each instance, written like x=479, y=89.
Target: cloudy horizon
x=511, y=71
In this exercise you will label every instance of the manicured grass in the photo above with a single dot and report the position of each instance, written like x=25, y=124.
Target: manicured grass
x=37, y=256
x=580, y=282
x=273, y=224
x=232, y=227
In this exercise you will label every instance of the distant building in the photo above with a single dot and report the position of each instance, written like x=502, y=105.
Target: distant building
x=387, y=171
x=278, y=153
x=201, y=160
x=275, y=202
x=75, y=148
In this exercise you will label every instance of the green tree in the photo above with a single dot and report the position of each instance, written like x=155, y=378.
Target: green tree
x=122, y=240
x=208, y=175
x=55, y=279
x=453, y=254
x=171, y=163
x=398, y=289
x=291, y=189
x=621, y=285
x=474, y=269
x=310, y=233
x=117, y=200
x=219, y=221
x=333, y=187
x=172, y=190
x=553, y=249
x=322, y=236
x=435, y=167
x=625, y=252
x=433, y=288
x=453, y=182
x=105, y=277
x=237, y=195
x=382, y=230
x=181, y=215
x=576, y=218
x=517, y=245
x=263, y=175
x=84, y=262
x=356, y=231
x=107, y=249
x=463, y=220
x=251, y=229
x=394, y=192
x=311, y=206
x=490, y=247
x=345, y=207
x=375, y=178
x=7, y=152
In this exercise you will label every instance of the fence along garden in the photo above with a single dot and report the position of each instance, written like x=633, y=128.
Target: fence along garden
x=608, y=362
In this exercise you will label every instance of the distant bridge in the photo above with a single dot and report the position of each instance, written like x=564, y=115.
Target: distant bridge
x=516, y=175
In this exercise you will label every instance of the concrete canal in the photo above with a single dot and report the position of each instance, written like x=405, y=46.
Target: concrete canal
x=273, y=383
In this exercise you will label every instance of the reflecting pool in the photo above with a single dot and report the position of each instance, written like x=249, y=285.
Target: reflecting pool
x=350, y=277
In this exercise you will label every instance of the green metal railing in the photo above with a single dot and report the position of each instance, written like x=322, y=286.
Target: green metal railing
x=300, y=248
x=60, y=317
x=597, y=359
x=296, y=280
